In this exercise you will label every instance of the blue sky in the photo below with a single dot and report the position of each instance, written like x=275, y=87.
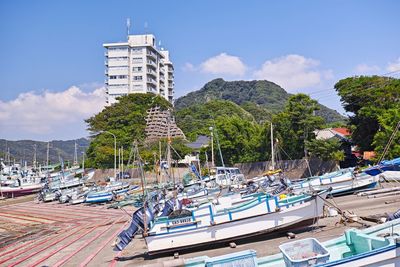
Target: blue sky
x=53, y=49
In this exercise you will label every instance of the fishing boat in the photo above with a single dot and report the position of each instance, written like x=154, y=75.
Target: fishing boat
x=226, y=176
x=342, y=182
x=22, y=186
x=374, y=246
x=388, y=169
x=107, y=193
x=208, y=224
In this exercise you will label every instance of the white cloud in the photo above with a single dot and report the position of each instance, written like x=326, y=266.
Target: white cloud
x=49, y=114
x=293, y=72
x=224, y=64
x=188, y=67
x=366, y=69
x=394, y=66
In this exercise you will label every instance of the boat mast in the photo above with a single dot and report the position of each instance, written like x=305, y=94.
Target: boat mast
x=272, y=147
x=47, y=159
x=143, y=189
x=75, y=154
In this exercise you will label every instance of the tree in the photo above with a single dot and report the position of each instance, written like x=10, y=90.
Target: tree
x=126, y=120
x=296, y=124
x=325, y=149
x=367, y=98
x=388, y=121
x=239, y=140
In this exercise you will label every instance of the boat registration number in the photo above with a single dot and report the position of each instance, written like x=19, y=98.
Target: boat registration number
x=180, y=221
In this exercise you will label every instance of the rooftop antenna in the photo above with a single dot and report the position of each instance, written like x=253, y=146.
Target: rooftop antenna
x=159, y=44
x=128, y=26
x=146, y=25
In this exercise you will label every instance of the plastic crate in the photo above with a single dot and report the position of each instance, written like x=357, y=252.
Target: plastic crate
x=305, y=252
x=246, y=258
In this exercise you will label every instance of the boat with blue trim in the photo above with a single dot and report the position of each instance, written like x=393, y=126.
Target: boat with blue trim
x=375, y=246
x=212, y=223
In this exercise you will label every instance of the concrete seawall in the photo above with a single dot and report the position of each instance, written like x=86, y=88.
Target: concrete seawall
x=293, y=169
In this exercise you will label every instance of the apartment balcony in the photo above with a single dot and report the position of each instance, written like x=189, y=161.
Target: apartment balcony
x=151, y=72
x=151, y=81
x=151, y=55
x=106, y=54
x=151, y=63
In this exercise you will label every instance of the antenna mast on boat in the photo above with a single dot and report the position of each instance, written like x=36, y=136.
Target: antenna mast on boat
x=47, y=159
x=34, y=156
x=75, y=154
x=272, y=148
x=219, y=147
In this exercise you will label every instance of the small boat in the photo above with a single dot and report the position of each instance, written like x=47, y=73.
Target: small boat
x=227, y=176
x=374, y=246
x=388, y=169
x=207, y=224
x=21, y=187
x=342, y=182
x=107, y=193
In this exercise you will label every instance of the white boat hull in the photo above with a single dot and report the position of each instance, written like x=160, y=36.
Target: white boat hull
x=339, y=185
x=241, y=224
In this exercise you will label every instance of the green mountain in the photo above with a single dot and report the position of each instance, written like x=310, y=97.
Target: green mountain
x=25, y=149
x=260, y=98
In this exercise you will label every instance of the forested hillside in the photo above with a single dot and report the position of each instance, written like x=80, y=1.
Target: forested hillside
x=260, y=98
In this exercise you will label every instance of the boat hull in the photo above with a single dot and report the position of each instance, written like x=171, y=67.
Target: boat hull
x=305, y=213
x=20, y=191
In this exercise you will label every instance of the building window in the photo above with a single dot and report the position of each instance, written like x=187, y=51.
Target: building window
x=117, y=58
x=137, y=78
x=118, y=67
x=136, y=50
x=137, y=60
x=113, y=77
x=117, y=48
x=137, y=69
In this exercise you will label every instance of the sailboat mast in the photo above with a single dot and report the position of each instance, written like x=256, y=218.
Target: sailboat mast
x=272, y=147
x=75, y=154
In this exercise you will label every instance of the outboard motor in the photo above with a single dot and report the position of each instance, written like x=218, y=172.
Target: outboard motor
x=394, y=216
x=126, y=236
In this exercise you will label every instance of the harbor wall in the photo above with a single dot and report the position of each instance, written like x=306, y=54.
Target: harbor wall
x=293, y=169
x=102, y=174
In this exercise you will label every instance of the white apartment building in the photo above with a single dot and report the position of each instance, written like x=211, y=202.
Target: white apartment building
x=137, y=66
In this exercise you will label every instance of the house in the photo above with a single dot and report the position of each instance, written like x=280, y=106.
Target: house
x=344, y=135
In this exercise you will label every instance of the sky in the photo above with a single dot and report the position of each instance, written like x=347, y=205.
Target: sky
x=52, y=58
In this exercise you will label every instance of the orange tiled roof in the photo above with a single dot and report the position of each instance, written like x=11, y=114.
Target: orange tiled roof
x=343, y=131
